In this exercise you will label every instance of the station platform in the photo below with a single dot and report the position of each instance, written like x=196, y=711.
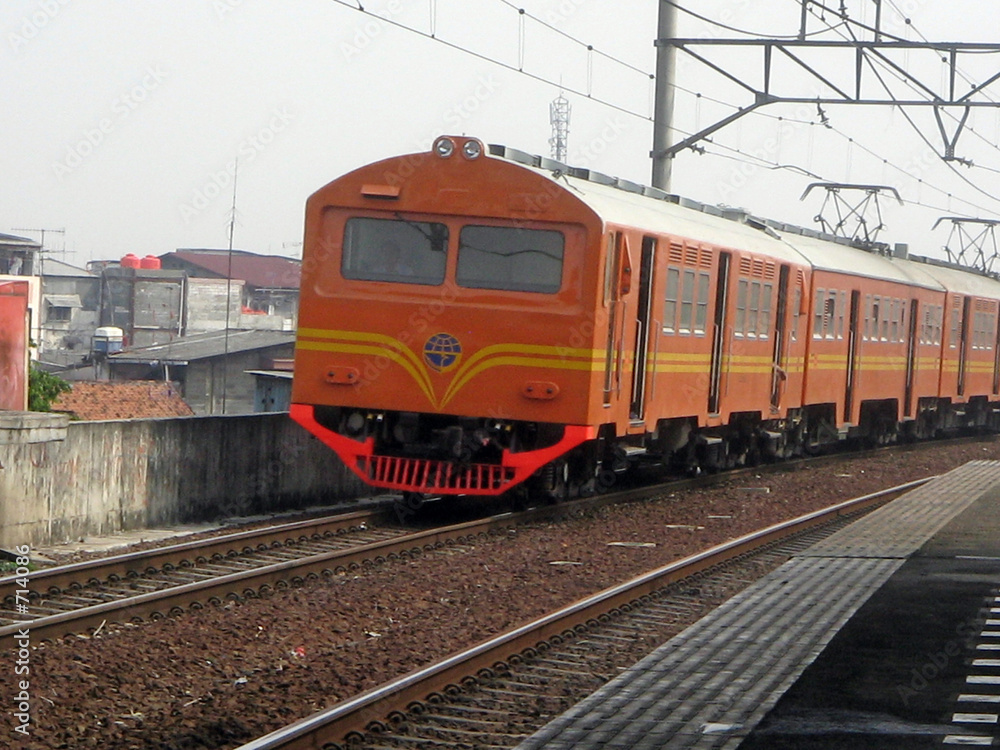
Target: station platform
x=884, y=635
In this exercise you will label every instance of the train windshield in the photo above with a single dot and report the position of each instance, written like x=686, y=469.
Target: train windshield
x=396, y=250
x=514, y=259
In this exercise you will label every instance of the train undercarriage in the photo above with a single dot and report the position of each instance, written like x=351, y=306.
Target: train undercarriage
x=478, y=453
x=679, y=446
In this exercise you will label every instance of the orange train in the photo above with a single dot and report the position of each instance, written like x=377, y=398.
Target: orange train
x=476, y=320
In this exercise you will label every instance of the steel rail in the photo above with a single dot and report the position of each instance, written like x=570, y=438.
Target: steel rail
x=63, y=577
x=250, y=582
x=353, y=716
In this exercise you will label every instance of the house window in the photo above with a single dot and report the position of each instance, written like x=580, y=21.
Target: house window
x=60, y=314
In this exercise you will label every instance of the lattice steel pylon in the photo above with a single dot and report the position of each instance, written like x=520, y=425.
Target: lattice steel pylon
x=963, y=245
x=559, y=113
x=853, y=220
x=822, y=67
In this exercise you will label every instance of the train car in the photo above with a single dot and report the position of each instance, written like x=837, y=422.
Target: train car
x=477, y=320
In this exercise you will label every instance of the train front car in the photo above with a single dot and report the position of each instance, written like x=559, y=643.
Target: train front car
x=445, y=341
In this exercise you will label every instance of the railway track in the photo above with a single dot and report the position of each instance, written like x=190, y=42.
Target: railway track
x=169, y=580
x=499, y=692
x=69, y=598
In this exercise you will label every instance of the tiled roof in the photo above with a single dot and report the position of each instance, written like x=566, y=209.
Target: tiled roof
x=134, y=399
x=261, y=271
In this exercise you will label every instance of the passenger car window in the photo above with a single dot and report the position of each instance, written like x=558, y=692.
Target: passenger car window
x=511, y=258
x=394, y=250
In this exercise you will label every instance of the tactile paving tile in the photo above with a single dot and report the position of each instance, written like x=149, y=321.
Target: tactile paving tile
x=903, y=526
x=710, y=685
x=719, y=677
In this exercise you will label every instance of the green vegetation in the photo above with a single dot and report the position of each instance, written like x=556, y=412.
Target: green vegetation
x=43, y=389
x=8, y=567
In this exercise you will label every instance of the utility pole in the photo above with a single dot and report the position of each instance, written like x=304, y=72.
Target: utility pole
x=666, y=71
x=229, y=287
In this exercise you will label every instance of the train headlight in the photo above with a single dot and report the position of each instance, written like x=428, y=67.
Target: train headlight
x=356, y=423
x=444, y=147
x=472, y=149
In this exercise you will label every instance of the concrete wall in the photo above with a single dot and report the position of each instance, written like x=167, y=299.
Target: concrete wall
x=62, y=480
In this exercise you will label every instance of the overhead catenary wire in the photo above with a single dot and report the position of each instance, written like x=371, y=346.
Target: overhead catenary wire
x=358, y=8
x=734, y=29
x=735, y=153
x=912, y=123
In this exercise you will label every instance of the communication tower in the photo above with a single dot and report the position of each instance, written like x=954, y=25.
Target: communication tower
x=559, y=114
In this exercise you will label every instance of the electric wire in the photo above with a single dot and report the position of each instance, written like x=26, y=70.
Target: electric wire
x=735, y=30
x=918, y=131
x=359, y=8
x=735, y=153
x=576, y=40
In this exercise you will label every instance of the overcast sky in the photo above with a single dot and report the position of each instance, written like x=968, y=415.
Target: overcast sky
x=122, y=119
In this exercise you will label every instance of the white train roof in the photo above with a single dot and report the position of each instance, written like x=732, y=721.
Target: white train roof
x=959, y=281
x=829, y=256
x=618, y=206
x=618, y=201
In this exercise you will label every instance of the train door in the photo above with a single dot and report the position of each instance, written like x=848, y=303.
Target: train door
x=780, y=324
x=617, y=282
x=719, y=334
x=911, y=358
x=996, y=360
x=853, y=342
x=642, y=331
x=963, y=345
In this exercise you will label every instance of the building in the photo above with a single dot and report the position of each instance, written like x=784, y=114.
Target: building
x=213, y=370
x=19, y=256
x=70, y=312
x=14, y=345
x=19, y=261
x=267, y=285
x=274, y=386
x=145, y=301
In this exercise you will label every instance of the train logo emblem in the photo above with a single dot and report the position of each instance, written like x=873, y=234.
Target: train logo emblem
x=442, y=352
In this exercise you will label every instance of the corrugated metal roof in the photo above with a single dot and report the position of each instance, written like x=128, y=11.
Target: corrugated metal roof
x=204, y=346
x=54, y=267
x=261, y=271
x=10, y=239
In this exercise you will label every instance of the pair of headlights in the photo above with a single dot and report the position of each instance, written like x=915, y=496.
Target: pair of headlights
x=445, y=147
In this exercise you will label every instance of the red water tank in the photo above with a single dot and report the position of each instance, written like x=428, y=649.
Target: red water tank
x=150, y=262
x=131, y=261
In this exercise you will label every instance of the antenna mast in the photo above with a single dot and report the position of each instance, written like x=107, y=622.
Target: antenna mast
x=559, y=113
